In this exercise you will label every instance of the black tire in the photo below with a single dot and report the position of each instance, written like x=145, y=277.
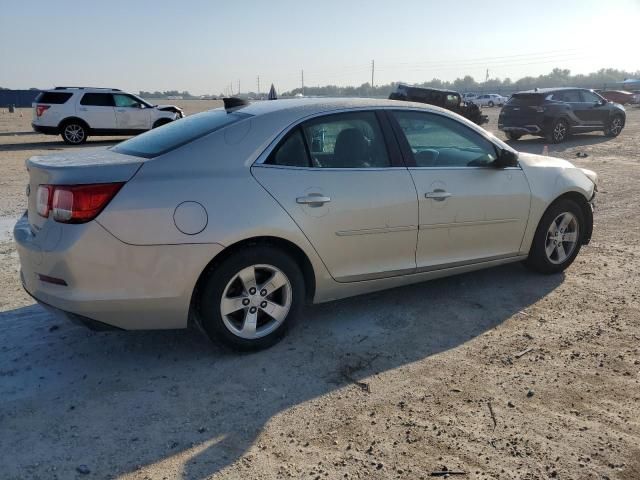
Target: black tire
x=559, y=131
x=74, y=132
x=491, y=104
x=615, y=126
x=161, y=122
x=218, y=279
x=513, y=135
x=538, y=259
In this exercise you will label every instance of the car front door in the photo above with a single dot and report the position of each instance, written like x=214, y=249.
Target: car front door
x=343, y=182
x=469, y=210
x=131, y=114
x=97, y=109
x=592, y=109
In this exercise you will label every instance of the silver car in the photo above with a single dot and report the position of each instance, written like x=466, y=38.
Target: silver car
x=233, y=218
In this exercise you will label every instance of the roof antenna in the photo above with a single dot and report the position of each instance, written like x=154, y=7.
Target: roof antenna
x=234, y=102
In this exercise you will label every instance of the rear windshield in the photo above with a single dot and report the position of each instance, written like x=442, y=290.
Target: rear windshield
x=525, y=99
x=175, y=134
x=54, y=98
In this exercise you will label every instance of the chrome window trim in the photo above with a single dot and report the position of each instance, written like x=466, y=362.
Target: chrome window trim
x=259, y=162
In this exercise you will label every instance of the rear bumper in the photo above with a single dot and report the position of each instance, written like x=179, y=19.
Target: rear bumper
x=525, y=129
x=45, y=130
x=107, y=281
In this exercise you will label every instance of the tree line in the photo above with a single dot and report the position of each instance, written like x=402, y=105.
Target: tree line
x=558, y=77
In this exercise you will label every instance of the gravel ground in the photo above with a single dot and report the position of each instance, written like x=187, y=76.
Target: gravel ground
x=499, y=374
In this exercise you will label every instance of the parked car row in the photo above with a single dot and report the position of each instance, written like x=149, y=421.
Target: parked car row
x=485, y=99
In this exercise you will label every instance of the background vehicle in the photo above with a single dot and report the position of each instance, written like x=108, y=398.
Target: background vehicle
x=75, y=113
x=490, y=100
x=469, y=97
x=448, y=99
x=556, y=113
x=636, y=97
x=617, y=96
x=234, y=218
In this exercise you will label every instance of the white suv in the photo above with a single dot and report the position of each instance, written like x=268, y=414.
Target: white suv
x=77, y=112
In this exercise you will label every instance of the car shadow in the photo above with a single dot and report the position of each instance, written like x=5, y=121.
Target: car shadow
x=64, y=390
x=55, y=145
x=536, y=145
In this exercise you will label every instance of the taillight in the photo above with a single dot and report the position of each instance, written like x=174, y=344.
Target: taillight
x=77, y=203
x=43, y=200
x=40, y=109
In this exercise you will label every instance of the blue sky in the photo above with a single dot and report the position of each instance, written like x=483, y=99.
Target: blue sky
x=203, y=46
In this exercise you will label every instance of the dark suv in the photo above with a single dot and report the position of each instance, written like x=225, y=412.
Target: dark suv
x=555, y=113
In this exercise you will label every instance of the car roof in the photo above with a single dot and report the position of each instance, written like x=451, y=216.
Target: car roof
x=84, y=89
x=310, y=106
x=551, y=90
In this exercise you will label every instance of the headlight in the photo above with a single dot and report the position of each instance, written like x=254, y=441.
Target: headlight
x=591, y=175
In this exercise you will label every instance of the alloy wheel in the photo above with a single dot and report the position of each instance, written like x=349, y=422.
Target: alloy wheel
x=616, y=126
x=74, y=133
x=256, y=301
x=562, y=238
x=559, y=132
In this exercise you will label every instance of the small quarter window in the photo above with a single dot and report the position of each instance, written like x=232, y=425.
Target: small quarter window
x=291, y=152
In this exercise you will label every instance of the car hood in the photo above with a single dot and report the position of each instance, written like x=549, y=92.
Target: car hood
x=170, y=108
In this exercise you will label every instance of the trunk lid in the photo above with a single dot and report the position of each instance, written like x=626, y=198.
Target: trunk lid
x=77, y=168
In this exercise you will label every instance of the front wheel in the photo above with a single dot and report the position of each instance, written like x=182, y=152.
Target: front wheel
x=615, y=126
x=558, y=238
x=250, y=299
x=491, y=104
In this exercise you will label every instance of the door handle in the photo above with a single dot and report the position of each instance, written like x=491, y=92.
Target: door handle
x=313, y=199
x=82, y=109
x=437, y=195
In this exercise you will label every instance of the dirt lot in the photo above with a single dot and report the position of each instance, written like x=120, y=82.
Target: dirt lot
x=500, y=374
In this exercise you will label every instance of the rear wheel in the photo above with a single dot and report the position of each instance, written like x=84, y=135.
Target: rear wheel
x=250, y=300
x=558, y=238
x=491, y=104
x=559, y=131
x=513, y=135
x=615, y=126
x=74, y=133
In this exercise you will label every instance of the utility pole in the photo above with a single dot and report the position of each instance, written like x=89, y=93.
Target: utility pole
x=238, y=87
x=373, y=69
x=302, y=78
x=486, y=79
x=258, y=85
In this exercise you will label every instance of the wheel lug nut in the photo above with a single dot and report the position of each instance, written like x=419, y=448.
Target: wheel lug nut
x=245, y=302
x=252, y=291
x=263, y=292
x=253, y=310
x=263, y=304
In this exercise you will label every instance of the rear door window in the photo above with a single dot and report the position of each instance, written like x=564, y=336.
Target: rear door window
x=291, y=152
x=525, y=100
x=97, y=100
x=346, y=140
x=176, y=134
x=54, y=98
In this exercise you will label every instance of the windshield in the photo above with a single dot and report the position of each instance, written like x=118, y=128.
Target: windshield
x=177, y=133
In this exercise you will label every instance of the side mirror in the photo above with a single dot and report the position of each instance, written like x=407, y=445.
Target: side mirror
x=506, y=158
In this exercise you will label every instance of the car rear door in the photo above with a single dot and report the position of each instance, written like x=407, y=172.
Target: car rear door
x=131, y=114
x=343, y=183
x=97, y=109
x=469, y=210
